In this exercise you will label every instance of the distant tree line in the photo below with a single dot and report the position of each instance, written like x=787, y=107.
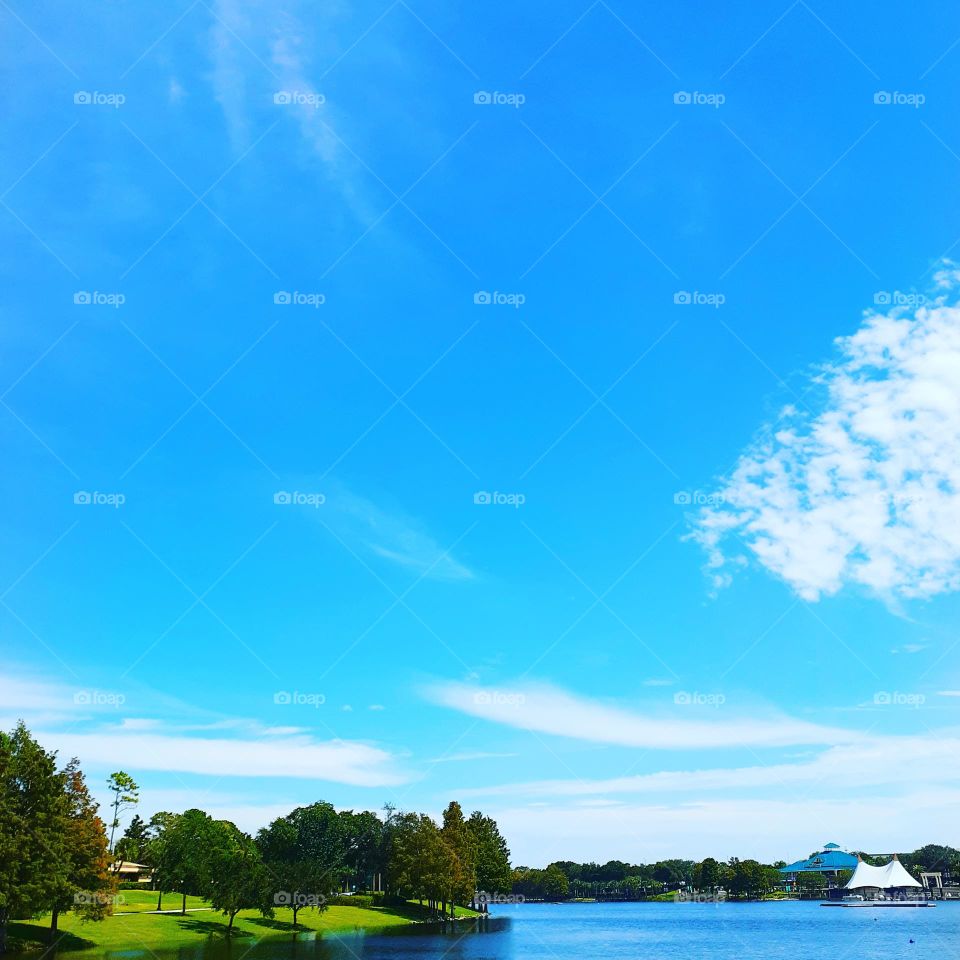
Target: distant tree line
x=735, y=878
x=55, y=855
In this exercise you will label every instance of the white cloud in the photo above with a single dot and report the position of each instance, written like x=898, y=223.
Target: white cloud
x=546, y=709
x=890, y=762
x=865, y=491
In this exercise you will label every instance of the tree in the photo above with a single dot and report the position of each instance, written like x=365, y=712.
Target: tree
x=186, y=860
x=706, y=874
x=87, y=883
x=239, y=879
x=305, y=854
x=125, y=795
x=555, y=883
x=33, y=809
x=458, y=838
x=365, y=836
x=491, y=854
x=132, y=845
x=155, y=852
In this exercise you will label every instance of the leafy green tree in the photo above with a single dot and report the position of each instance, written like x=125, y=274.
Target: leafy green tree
x=133, y=844
x=154, y=852
x=365, y=836
x=305, y=854
x=239, y=880
x=491, y=854
x=458, y=838
x=87, y=885
x=186, y=862
x=125, y=795
x=33, y=812
x=555, y=883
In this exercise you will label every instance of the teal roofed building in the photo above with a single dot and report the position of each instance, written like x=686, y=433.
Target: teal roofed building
x=828, y=862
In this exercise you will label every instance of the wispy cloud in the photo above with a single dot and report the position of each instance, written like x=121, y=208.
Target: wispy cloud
x=393, y=536
x=547, y=709
x=866, y=490
x=94, y=726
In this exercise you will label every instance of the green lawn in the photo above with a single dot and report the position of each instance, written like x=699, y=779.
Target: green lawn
x=130, y=928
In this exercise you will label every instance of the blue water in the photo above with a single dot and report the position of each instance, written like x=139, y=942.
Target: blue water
x=639, y=931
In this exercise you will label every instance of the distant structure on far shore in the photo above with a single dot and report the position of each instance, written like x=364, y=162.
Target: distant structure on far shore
x=828, y=862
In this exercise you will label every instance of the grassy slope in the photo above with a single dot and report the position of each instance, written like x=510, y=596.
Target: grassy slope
x=130, y=928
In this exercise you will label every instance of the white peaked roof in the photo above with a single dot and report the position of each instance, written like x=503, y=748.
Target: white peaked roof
x=891, y=874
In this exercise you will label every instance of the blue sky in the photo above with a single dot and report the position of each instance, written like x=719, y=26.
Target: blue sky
x=555, y=408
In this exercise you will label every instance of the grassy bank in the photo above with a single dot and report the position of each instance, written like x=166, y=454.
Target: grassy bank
x=133, y=928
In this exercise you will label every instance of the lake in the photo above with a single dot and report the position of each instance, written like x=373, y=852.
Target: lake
x=652, y=931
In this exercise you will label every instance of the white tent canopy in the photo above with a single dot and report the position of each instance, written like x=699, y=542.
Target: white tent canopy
x=891, y=874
